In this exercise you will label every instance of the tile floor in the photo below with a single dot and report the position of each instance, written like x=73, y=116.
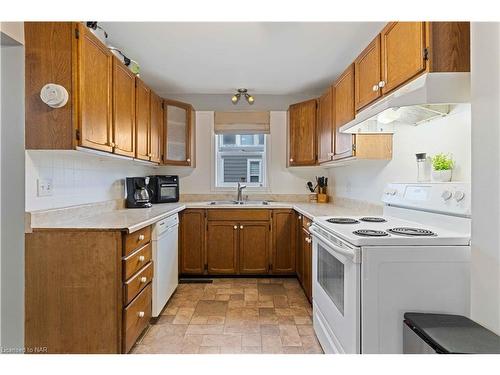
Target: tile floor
x=234, y=316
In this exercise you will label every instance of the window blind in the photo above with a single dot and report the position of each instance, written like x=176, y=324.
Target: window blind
x=242, y=123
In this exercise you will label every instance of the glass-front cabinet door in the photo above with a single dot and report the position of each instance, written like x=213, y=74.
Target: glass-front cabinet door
x=179, y=133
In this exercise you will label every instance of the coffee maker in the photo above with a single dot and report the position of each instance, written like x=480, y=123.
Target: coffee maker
x=138, y=193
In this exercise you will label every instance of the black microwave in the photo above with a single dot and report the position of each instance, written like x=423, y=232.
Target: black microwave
x=164, y=189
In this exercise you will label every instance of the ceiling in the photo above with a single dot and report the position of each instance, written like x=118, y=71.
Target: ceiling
x=265, y=57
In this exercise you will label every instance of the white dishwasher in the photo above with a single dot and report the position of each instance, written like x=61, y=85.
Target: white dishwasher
x=165, y=259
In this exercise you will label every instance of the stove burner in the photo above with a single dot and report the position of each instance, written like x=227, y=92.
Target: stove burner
x=370, y=219
x=342, y=220
x=370, y=233
x=406, y=231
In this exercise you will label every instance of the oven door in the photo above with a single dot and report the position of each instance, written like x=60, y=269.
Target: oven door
x=336, y=293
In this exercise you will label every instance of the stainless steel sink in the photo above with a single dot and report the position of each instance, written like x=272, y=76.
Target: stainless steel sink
x=238, y=203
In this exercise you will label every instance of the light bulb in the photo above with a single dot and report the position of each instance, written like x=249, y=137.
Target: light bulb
x=235, y=99
x=250, y=99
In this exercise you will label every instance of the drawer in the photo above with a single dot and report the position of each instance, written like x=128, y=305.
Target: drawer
x=135, y=261
x=137, y=282
x=239, y=214
x=133, y=241
x=136, y=318
x=306, y=222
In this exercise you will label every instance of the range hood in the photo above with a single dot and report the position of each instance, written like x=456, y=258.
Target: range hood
x=427, y=97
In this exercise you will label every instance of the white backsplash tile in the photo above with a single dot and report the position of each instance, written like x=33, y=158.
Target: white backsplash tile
x=77, y=178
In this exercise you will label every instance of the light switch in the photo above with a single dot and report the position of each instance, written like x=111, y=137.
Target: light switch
x=45, y=187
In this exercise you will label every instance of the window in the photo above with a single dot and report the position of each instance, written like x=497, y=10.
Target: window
x=240, y=158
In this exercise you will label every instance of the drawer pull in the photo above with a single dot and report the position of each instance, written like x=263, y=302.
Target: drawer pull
x=144, y=279
x=235, y=227
x=241, y=226
x=141, y=237
x=308, y=240
x=141, y=258
x=140, y=314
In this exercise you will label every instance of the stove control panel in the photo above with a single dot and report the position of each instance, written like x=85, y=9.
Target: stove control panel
x=447, y=198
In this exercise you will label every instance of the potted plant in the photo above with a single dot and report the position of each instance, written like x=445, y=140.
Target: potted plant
x=442, y=166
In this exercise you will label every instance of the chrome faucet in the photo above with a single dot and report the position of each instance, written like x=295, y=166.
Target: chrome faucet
x=239, y=197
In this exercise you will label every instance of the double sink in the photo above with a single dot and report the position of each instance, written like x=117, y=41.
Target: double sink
x=239, y=203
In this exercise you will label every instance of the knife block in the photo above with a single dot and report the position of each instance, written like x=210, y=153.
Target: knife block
x=322, y=198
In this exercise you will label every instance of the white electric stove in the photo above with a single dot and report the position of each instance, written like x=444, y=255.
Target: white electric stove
x=369, y=271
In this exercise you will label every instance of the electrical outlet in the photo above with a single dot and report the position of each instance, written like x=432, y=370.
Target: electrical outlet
x=45, y=187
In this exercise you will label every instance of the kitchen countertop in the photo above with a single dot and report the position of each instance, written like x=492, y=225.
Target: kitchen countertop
x=132, y=220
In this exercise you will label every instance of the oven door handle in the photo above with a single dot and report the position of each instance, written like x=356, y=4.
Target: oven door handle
x=352, y=254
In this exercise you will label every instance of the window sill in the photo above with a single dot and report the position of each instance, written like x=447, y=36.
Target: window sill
x=247, y=190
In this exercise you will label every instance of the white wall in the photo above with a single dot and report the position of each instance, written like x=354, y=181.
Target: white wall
x=365, y=180
x=485, y=66
x=77, y=178
x=282, y=180
x=12, y=195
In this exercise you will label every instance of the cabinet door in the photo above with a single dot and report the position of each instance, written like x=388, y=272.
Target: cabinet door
x=179, y=133
x=95, y=99
x=142, y=120
x=123, y=109
x=367, y=75
x=222, y=246
x=283, y=242
x=254, y=247
x=302, y=133
x=192, y=242
x=344, y=112
x=307, y=250
x=300, y=253
x=403, y=57
x=156, y=121
x=326, y=126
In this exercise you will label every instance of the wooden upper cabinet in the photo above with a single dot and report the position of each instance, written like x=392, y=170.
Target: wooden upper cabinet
x=192, y=241
x=254, y=247
x=123, y=109
x=344, y=112
x=403, y=53
x=302, y=133
x=284, y=242
x=179, y=135
x=367, y=74
x=326, y=126
x=95, y=99
x=222, y=247
x=142, y=120
x=156, y=121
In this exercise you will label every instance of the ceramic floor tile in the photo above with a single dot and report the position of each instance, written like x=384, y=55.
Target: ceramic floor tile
x=234, y=316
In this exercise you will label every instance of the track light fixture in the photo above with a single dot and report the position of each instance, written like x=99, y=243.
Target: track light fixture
x=242, y=92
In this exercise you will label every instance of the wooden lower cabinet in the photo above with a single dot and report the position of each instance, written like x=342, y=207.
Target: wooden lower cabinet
x=307, y=256
x=284, y=242
x=192, y=241
x=222, y=248
x=254, y=247
x=81, y=292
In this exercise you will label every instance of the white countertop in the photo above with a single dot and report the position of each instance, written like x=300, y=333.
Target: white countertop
x=133, y=219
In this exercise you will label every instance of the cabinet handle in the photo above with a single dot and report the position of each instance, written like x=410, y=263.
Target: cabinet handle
x=188, y=160
x=381, y=84
x=308, y=224
x=375, y=88
x=300, y=217
x=308, y=239
x=141, y=258
x=235, y=227
x=144, y=279
x=141, y=237
x=241, y=226
x=291, y=160
x=140, y=314
x=112, y=144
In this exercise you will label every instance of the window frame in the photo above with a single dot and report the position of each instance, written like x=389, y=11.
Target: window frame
x=218, y=162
